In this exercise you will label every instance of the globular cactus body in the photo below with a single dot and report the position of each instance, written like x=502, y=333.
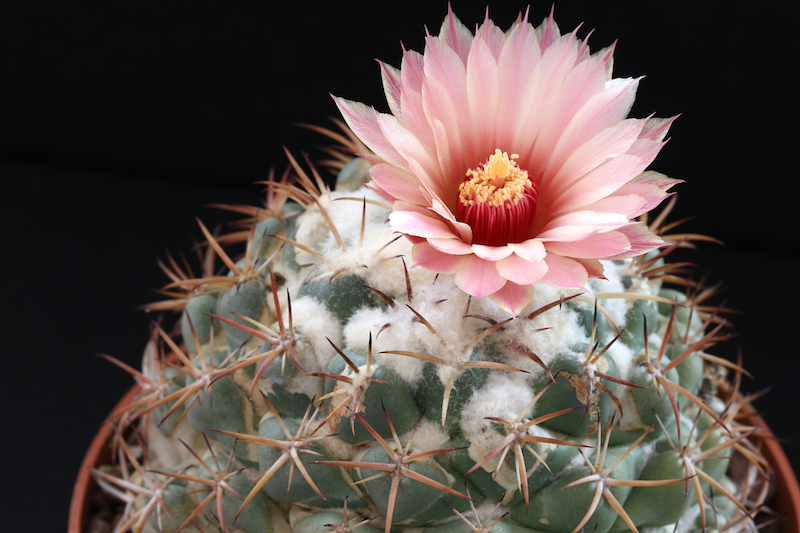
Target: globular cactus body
x=342, y=377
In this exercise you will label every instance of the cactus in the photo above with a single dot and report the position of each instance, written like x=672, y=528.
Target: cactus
x=324, y=383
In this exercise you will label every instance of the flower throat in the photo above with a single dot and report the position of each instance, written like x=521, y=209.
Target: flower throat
x=497, y=200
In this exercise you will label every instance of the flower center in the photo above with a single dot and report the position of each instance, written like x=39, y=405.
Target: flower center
x=497, y=200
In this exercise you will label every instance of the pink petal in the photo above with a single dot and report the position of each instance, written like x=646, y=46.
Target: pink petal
x=408, y=146
x=392, y=87
x=585, y=80
x=463, y=230
x=515, y=268
x=625, y=204
x=420, y=225
x=598, y=245
x=483, y=90
x=492, y=36
x=512, y=297
x=516, y=66
x=426, y=256
x=593, y=267
x=582, y=159
x=491, y=253
x=397, y=182
x=641, y=194
x=444, y=65
x=598, y=183
x=374, y=187
x=605, y=109
x=451, y=131
x=530, y=250
x=451, y=246
x=556, y=62
x=411, y=71
x=641, y=238
x=456, y=35
x=363, y=121
x=478, y=277
x=413, y=117
x=656, y=128
x=580, y=224
x=564, y=272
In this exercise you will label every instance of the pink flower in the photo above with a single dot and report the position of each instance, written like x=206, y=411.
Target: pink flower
x=508, y=158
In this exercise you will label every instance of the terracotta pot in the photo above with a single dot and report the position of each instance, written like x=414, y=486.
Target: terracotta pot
x=786, y=502
x=98, y=454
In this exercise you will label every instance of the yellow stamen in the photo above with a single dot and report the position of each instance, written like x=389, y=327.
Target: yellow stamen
x=498, y=182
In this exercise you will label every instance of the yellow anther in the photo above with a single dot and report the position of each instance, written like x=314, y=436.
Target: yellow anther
x=498, y=182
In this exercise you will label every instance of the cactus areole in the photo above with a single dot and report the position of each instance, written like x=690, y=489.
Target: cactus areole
x=477, y=328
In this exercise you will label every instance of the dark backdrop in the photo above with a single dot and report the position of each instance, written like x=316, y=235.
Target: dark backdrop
x=120, y=120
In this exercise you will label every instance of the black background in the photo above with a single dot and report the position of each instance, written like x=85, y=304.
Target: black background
x=120, y=120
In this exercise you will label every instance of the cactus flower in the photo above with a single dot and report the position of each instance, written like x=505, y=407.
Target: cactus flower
x=508, y=158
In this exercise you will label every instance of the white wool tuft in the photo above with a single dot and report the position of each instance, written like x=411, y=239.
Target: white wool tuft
x=429, y=436
x=549, y=334
x=616, y=307
x=394, y=337
x=314, y=324
x=504, y=395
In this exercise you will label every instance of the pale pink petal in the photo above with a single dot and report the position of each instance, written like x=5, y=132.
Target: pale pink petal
x=441, y=141
x=512, y=297
x=515, y=268
x=456, y=35
x=401, y=205
x=429, y=183
x=641, y=238
x=582, y=159
x=386, y=197
x=519, y=86
x=557, y=60
x=363, y=121
x=414, y=118
x=463, y=230
x=408, y=146
x=580, y=224
x=397, y=183
x=645, y=148
x=606, y=244
x=493, y=37
x=419, y=225
x=656, y=128
x=451, y=246
x=483, y=89
x=412, y=71
x=565, y=272
x=585, y=80
x=425, y=256
x=616, y=203
x=638, y=196
x=603, y=110
x=547, y=32
x=478, y=277
x=594, y=268
x=530, y=250
x=392, y=87
x=491, y=253
x=439, y=108
x=600, y=182
x=444, y=65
